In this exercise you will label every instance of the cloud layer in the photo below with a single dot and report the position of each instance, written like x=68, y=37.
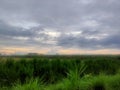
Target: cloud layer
x=60, y=24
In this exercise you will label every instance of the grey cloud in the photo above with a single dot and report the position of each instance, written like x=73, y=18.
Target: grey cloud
x=112, y=41
x=65, y=16
x=7, y=30
x=76, y=42
x=84, y=42
x=15, y=36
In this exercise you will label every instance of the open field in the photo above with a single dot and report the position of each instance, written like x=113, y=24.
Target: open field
x=60, y=72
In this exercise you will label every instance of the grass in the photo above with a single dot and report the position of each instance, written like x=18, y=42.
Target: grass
x=100, y=82
x=60, y=73
x=33, y=84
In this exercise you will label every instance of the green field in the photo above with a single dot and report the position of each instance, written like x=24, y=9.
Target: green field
x=85, y=72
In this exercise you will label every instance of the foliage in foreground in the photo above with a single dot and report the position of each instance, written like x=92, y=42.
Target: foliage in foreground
x=88, y=82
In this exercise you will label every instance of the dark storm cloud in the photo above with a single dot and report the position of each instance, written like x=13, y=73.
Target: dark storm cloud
x=97, y=20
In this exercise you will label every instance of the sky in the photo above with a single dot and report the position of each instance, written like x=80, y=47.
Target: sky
x=60, y=26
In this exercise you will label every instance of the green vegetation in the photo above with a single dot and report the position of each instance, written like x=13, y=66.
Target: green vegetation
x=60, y=73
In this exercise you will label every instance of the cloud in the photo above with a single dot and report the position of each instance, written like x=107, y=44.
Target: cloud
x=16, y=36
x=81, y=24
x=91, y=42
x=8, y=30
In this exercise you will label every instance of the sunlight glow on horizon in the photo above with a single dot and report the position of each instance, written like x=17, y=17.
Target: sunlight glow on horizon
x=22, y=51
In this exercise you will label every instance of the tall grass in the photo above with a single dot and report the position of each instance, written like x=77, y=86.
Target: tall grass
x=33, y=84
x=99, y=82
x=60, y=72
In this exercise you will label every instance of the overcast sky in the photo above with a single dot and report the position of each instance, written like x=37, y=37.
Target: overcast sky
x=60, y=26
